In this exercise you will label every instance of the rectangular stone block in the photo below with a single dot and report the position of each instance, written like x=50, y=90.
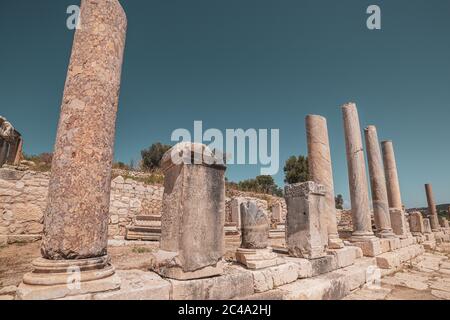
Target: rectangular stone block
x=416, y=223
x=228, y=286
x=398, y=222
x=304, y=267
x=346, y=256
x=385, y=245
x=271, y=278
x=394, y=243
x=370, y=248
x=138, y=285
x=323, y=265
x=306, y=229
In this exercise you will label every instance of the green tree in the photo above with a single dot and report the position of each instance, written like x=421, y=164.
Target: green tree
x=152, y=156
x=296, y=170
x=339, y=200
x=261, y=184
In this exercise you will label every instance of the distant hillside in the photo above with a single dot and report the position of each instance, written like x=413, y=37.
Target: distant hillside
x=441, y=208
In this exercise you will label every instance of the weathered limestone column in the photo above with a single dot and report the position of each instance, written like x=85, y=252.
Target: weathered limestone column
x=434, y=220
x=321, y=172
x=359, y=196
x=76, y=218
x=193, y=214
x=398, y=219
x=306, y=237
x=378, y=184
x=392, y=182
x=254, y=252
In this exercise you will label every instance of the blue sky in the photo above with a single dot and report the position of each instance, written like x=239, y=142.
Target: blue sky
x=251, y=64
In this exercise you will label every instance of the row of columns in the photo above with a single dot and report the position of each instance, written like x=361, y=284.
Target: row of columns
x=10, y=152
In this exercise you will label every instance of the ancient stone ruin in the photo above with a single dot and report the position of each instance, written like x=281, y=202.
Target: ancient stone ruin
x=10, y=143
x=209, y=244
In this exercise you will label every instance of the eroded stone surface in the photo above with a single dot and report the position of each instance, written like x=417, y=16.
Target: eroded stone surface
x=321, y=172
x=76, y=218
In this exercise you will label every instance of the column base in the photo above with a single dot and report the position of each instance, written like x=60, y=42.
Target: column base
x=56, y=279
x=167, y=265
x=386, y=234
x=257, y=258
x=369, y=244
x=359, y=236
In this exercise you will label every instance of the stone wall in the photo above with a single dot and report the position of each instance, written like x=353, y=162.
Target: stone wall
x=23, y=198
x=130, y=198
x=263, y=201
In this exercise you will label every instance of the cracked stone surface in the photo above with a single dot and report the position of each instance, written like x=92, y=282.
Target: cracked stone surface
x=427, y=278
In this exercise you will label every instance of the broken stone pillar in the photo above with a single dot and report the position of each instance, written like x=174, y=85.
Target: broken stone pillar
x=416, y=223
x=398, y=219
x=193, y=214
x=277, y=212
x=75, y=236
x=432, y=211
x=426, y=225
x=236, y=211
x=378, y=184
x=359, y=193
x=321, y=172
x=306, y=236
x=254, y=252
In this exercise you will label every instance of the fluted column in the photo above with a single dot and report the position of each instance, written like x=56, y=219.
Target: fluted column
x=432, y=211
x=359, y=196
x=378, y=184
x=321, y=172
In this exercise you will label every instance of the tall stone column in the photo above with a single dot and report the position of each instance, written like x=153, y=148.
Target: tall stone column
x=321, y=172
x=76, y=218
x=432, y=211
x=378, y=184
x=359, y=193
x=398, y=219
x=392, y=182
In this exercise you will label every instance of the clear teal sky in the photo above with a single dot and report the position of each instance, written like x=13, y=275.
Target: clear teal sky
x=251, y=64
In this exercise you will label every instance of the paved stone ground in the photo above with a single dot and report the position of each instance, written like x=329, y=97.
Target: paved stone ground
x=426, y=278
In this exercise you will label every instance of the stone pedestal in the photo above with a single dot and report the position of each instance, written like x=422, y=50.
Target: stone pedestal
x=193, y=214
x=359, y=196
x=321, y=172
x=416, y=223
x=236, y=211
x=277, y=213
x=398, y=222
x=76, y=218
x=306, y=237
x=427, y=226
x=444, y=223
x=378, y=184
x=432, y=211
x=254, y=253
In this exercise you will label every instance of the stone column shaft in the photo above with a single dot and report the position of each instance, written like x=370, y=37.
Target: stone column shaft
x=392, y=182
x=18, y=156
x=362, y=226
x=378, y=183
x=321, y=172
x=432, y=211
x=76, y=218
